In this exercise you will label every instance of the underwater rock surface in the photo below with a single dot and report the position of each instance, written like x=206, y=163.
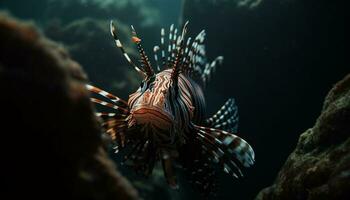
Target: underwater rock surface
x=319, y=167
x=51, y=145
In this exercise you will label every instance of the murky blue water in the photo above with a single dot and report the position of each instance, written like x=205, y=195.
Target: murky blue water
x=281, y=58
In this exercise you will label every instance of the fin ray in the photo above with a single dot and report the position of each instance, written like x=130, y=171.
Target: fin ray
x=225, y=148
x=109, y=105
x=113, y=31
x=226, y=118
x=105, y=94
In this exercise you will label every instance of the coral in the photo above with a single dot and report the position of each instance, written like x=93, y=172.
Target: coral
x=319, y=167
x=51, y=144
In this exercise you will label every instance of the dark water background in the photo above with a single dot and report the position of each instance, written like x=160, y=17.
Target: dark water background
x=281, y=59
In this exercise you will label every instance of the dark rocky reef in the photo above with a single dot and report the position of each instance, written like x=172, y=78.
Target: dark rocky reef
x=51, y=144
x=319, y=167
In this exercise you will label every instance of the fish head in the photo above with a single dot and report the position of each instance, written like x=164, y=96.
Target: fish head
x=150, y=104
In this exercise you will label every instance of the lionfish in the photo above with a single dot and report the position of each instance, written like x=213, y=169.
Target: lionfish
x=165, y=118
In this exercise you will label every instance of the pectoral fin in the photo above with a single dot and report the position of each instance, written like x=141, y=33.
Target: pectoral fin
x=225, y=148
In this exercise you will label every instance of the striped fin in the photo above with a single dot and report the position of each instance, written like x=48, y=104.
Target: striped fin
x=155, y=51
x=173, y=48
x=169, y=55
x=146, y=65
x=187, y=66
x=118, y=123
x=105, y=94
x=186, y=57
x=217, y=154
x=195, y=61
x=120, y=46
x=105, y=115
x=117, y=134
x=203, y=176
x=226, y=148
x=141, y=157
x=232, y=144
x=162, y=47
x=210, y=68
x=115, y=126
x=109, y=105
x=114, y=123
x=199, y=59
x=200, y=172
x=171, y=33
x=191, y=57
x=226, y=118
x=177, y=65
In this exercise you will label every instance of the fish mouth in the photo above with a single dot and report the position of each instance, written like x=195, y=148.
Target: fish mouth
x=153, y=116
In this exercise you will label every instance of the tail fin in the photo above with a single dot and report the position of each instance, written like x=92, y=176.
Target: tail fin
x=226, y=118
x=226, y=149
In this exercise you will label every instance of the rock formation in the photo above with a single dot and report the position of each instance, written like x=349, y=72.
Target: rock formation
x=51, y=144
x=319, y=167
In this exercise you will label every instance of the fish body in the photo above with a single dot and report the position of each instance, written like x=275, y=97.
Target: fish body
x=165, y=119
x=161, y=106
